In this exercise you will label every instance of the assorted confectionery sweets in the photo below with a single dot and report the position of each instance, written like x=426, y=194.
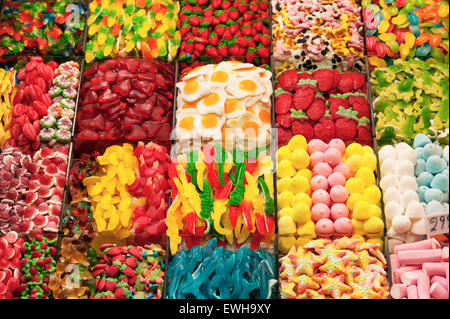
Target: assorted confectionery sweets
x=311, y=34
x=224, y=149
x=324, y=104
x=53, y=27
x=133, y=27
x=227, y=103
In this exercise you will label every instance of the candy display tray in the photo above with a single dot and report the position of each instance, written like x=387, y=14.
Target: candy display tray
x=27, y=52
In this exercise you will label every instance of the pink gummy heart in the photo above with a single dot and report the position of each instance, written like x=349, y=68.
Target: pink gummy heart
x=123, y=88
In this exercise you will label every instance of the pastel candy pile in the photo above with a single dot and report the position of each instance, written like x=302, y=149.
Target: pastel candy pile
x=327, y=190
x=70, y=280
x=420, y=271
x=37, y=263
x=30, y=104
x=215, y=273
x=311, y=34
x=214, y=30
x=126, y=98
x=406, y=29
x=151, y=183
x=228, y=102
x=133, y=27
x=431, y=172
x=129, y=272
x=411, y=97
x=402, y=207
x=227, y=195
x=112, y=207
x=340, y=269
x=78, y=216
x=324, y=104
x=45, y=193
x=10, y=247
x=16, y=170
x=56, y=126
x=8, y=90
x=53, y=27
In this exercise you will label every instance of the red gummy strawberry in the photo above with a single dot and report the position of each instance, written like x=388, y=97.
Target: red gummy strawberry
x=345, y=83
x=364, y=132
x=358, y=80
x=303, y=127
x=284, y=120
x=304, y=94
x=316, y=110
x=324, y=78
x=360, y=104
x=345, y=128
x=284, y=135
x=283, y=101
x=325, y=129
x=288, y=80
x=304, y=76
x=335, y=103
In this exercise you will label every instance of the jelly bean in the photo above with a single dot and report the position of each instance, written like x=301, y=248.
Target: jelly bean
x=393, y=46
x=423, y=50
x=414, y=29
x=379, y=16
x=413, y=19
x=435, y=40
x=400, y=3
x=399, y=20
x=383, y=26
x=403, y=50
x=408, y=6
x=385, y=37
x=381, y=50
x=393, y=11
x=420, y=3
x=409, y=40
x=423, y=38
x=443, y=11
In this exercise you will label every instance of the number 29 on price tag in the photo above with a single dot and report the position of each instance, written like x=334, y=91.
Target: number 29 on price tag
x=437, y=224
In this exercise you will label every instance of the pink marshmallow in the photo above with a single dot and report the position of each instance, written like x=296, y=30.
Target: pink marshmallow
x=319, y=182
x=412, y=292
x=324, y=227
x=344, y=169
x=339, y=194
x=333, y=156
x=321, y=196
x=419, y=245
x=441, y=280
x=316, y=145
x=322, y=169
x=320, y=211
x=394, y=265
x=339, y=210
x=423, y=286
x=446, y=277
x=337, y=144
x=410, y=277
x=418, y=257
x=343, y=226
x=400, y=270
x=434, y=269
x=438, y=292
x=316, y=158
x=398, y=291
x=336, y=178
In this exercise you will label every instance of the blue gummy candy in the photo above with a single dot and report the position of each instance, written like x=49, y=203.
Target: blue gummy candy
x=423, y=50
x=435, y=164
x=440, y=181
x=421, y=192
x=419, y=167
x=424, y=179
x=445, y=197
x=433, y=194
x=431, y=149
x=413, y=19
x=415, y=30
x=421, y=140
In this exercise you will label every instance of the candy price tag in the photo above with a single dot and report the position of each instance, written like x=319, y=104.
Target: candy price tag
x=437, y=224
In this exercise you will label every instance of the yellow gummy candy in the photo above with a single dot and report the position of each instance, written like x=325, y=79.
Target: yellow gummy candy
x=284, y=184
x=305, y=172
x=366, y=174
x=300, y=159
x=443, y=11
x=383, y=26
x=96, y=189
x=284, y=199
x=113, y=221
x=353, y=199
x=377, y=62
x=362, y=210
x=355, y=185
x=101, y=224
x=301, y=198
x=287, y=211
x=353, y=149
x=285, y=169
x=372, y=194
x=355, y=162
x=125, y=204
x=369, y=160
x=399, y=20
x=125, y=217
x=410, y=40
x=300, y=184
x=88, y=181
x=386, y=37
